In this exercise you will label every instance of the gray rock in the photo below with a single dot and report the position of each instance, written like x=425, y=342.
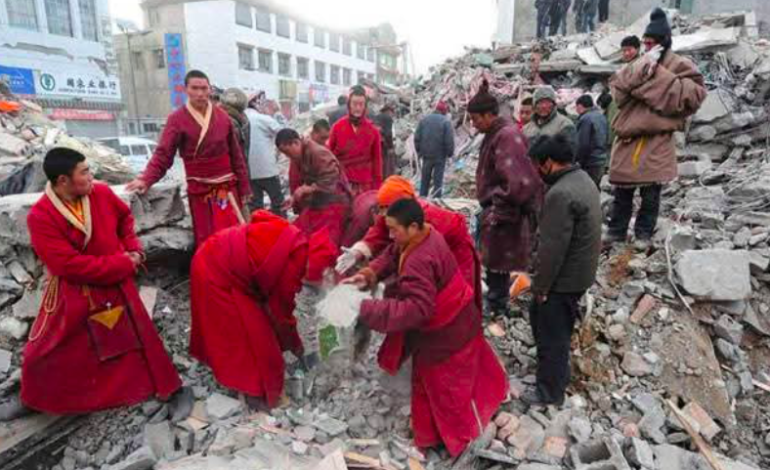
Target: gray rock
x=702, y=134
x=12, y=146
x=640, y=454
x=159, y=438
x=693, y=169
x=141, y=459
x=635, y=365
x=13, y=328
x=5, y=361
x=729, y=329
x=716, y=105
x=219, y=407
x=29, y=304
x=580, y=429
x=651, y=423
x=715, y=274
x=331, y=426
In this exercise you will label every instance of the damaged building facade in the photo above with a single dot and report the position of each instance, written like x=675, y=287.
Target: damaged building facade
x=59, y=54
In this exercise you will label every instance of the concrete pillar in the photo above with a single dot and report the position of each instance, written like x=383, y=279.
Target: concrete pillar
x=77, y=27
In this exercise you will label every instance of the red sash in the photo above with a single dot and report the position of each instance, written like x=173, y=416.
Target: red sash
x=202, y=173
x=452, y=300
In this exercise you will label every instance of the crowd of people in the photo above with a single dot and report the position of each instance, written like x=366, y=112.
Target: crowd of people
x=552, y=15
x=93, y=345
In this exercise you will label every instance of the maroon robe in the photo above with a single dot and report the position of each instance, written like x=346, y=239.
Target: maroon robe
x=359, y=150
x=430, y=314
x=217, y=178
x=80, y=356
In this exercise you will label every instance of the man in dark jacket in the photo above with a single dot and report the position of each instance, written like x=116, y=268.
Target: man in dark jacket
x=339, y=112
x=567, y=259
x=384, y=122
x=592, y=142
x=434, y=141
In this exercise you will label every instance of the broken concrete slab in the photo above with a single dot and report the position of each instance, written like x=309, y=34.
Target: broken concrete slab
x=219, y=407
x=715, y=274
x=141, y=459
x=640, y=454
x=718, y=104
x=599, y=454
x=706, y=39
x=159, y=438
x=635, y=365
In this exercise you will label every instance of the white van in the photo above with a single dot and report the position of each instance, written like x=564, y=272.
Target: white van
x=137, y=151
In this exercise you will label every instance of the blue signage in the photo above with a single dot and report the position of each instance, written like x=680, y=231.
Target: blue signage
x=176, y=69
x=22, y=81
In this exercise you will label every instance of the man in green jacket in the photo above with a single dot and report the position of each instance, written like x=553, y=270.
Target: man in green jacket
x=547, y=121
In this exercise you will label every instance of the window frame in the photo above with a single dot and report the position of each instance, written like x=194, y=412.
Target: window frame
x=52, y=8
x=260, y=54
x=319, y=33
x=306, y=62
x=22, y=19
x=282, y=20
x=246, y=49
x=286, y=73
x=320, y=65
x=239, y=19
x=304, y=36
x=347, y=76
x=335, y=75
x=159, y=58
x=347, y=46
x=265, y=14
x=334, y=41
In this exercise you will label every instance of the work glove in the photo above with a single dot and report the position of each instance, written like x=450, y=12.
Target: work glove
x=650, y=61
x=347, y=260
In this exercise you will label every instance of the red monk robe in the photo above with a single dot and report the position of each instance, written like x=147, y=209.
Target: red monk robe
x=217, y=179
x=323, y=198
x=93, y=345
x=362, y=216
x=359, y=151
x=430, y=314
x=243, y=282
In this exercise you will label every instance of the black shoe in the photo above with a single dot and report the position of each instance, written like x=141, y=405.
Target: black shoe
x=532, y=397
x=181, y=404
x=13, y=408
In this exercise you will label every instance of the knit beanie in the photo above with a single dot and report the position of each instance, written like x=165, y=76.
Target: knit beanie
x=234, y=97
x=483, y=102
x=544, y=93
x=658, y=27
x=394, y=188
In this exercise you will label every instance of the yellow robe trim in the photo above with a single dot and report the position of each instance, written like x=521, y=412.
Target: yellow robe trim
x=84, y=223
x=203, y=120
x=108, y=318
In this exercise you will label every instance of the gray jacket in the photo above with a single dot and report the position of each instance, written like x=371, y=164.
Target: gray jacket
x=592, y=139
x=555, y=124
x=570, y=234
x=434, y=138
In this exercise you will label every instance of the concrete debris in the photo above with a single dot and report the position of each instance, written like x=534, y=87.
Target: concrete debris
x=715, y=274
x=219, y=407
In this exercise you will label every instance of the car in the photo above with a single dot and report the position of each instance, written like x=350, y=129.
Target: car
x=137, y=151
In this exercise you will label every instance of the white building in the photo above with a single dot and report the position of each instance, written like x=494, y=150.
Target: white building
x=59, y=54
x=506, y=16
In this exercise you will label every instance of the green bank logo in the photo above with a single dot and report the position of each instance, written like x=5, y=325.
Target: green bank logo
x=47, y=82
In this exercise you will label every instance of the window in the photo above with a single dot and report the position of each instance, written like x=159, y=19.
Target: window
x=370, y=54
x=302, y=34
x=154, y=17
x=243, y=15
x=284, y=65
x=685, y=6
x=151, y=127
x=320, y=71
x=334, y=42
x=361, y=77
x=125, y=150
x=360, y=51
x=335, y=75
x=22, y=14
x=265, y=61
x=347, y=46
x=303, y=68
x=59, y=19
x=136, y=61
x=245, y=57
x=88, y=22
x=159, y=58
x=319, y=38
x=282, y=26
x=263, y=20
x=347, y=77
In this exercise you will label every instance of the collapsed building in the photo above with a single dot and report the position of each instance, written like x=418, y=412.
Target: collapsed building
x=670, y=362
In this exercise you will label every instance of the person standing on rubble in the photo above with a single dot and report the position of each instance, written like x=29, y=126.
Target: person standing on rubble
x=434, y=141
x=430, y=313
x=590, y=9
x=544, y=8
x=569, y=245
x=565, y=5
x=243, y=281
x=592, y=143
x=655, y=96
x=509, y=192
x=234, y=102
x=558, y=13
x=339, y=111
x=577, y=11
x=604, y=11
x=263, y=160
x=384, y=122
x=217, y=178
x=357, y=144
x=630, y=47
x=93, y=345
x=547, y=121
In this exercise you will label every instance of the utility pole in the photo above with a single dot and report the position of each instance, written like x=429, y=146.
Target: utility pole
x=133, y=79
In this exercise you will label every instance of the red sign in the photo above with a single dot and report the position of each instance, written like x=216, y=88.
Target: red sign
x=60, y=114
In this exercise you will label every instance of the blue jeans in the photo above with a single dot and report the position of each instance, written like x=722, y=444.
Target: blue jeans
x=432, y=172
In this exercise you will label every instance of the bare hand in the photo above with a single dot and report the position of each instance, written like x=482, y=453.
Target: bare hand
x=358, y=280
x=137, y=186
x=136, y=259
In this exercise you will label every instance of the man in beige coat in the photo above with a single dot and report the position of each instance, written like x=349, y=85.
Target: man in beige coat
x=655, y=96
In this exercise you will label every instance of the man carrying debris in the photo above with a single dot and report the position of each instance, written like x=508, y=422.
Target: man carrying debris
x=339, y=111
x=567, y=259
x=451, y=225
x=263, y=160
x=592, y=142
x=655, y=96
x=217, y=178
x=509, y=192
x=434, y=141
x=243, y=281
x=429, y=313
x=357, y=144
x=322, y=198
x=93, y=345
x=547, y=121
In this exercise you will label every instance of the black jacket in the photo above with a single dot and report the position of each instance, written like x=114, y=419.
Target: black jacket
x=570, y=233
x=434, y=138
x=592, y=139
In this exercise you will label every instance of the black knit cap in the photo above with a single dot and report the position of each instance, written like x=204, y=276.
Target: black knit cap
x=483, y=102
x=658, y=27
x=557, y=148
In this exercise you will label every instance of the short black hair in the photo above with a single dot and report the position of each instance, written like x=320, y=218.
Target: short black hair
x=586, y=101
x=342, y=100
x=605, y=100
x=631, y=41
x=527, y=101
x=286, y=136
x=61, y=162
x=321, y=125
x=358, y=90
x=195, y=74
x=407, y=211
x=558, y=148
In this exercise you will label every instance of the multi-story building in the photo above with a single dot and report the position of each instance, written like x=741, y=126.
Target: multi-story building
x=59, y=54
x=255, y=45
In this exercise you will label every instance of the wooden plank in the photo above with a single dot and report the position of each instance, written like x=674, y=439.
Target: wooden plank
x=701, y=444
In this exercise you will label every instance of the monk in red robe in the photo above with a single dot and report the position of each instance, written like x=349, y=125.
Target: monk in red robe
x=451, y=225
x=322, y=199
x=363, y=215
x=217, y=179
x=243, y=282
x=357, y=144
x=429, y=313
x=93, y=345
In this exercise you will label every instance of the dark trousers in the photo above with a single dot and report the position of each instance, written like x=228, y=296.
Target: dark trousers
x=604, y=10
x=271, y=186
x=623, y=207
x=432, y=172
x=498, y=285
x=555, y=15
x=542, y=21
x=552, y=324
x=596, y=173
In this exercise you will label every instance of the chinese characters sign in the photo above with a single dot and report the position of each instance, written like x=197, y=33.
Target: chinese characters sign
x=21, y=81
x=82, y=85
x=176, y=69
